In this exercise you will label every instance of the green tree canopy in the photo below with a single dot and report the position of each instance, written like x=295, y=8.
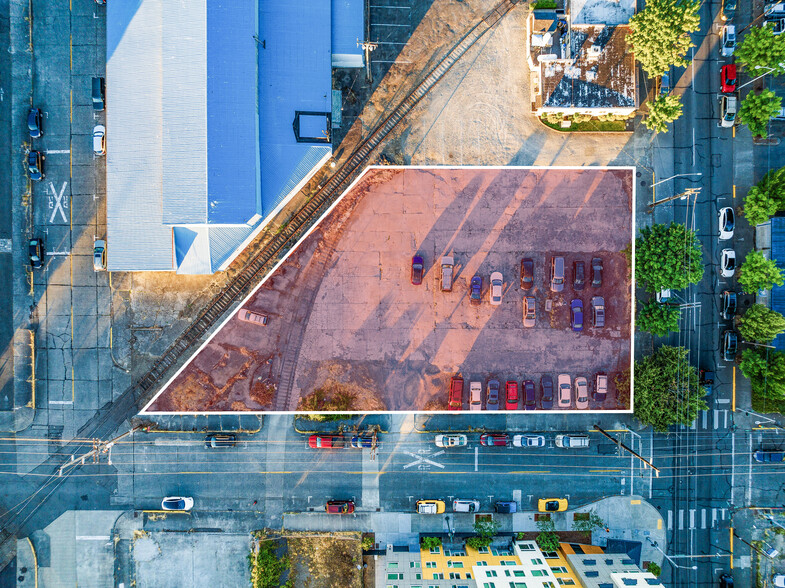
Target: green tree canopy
x=548, y=539
x=765, y=369
x=658, y=319
x=589, y=524
x=761, y=324
x=667, y=256
x=660, y=34
x=757, y=109
x=666, y=389
x=759, y=205
x=761, y=48
x=662, y=111
x=759, y=273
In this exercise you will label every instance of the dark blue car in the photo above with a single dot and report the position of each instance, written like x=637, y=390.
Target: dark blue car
x=576, y=309
x=475, y=291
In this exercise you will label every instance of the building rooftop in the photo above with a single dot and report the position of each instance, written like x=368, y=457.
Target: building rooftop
x=604, y=12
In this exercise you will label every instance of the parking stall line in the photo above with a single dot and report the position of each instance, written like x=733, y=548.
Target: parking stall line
x=692, y=518
x=476, y=453
x=704, y=419
x=681, y=520
x=713, y=517
x=670, y=520
x=716, y=419
x=703, y=518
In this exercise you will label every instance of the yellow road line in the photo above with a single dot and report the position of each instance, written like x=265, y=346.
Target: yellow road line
x=604, y=471
x=731, y=547
x=734, y=190
x=733, y=403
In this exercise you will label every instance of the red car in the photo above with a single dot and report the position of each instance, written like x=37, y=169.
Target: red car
x=339, y=507
x=417, y=270
x=456, y=394
x=325, y=441
x=728, y=78
x=511, y=402
x=494, y=439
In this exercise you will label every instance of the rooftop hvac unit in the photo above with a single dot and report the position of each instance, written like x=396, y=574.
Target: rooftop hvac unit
x=594, y=52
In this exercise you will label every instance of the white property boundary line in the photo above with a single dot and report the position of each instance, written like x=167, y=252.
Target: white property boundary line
x=217, y=329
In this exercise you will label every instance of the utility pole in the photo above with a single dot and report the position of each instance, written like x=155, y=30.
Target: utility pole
x=99, y=447
x=688, y=192
x=373, y=445
x=368, y=47
x=623, y=446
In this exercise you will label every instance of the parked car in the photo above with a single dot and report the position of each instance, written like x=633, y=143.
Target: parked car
x=430, y=507
x=528, y=440
x=450, y=440
x=728, y=78
x=728, y=9
x=255, y=318
x=552, y=504
x=578, y=275
x=417, y=270
x=35, y=123
x=730, y=345
x=497, y=281
x=728, y=40
x=665, y=84
x=511, y=398
x=339, y=507
x=546, y=389
x=363, y=442
x=527, y=273
x=447, y=266
x=726, y=581
x=727, y=223
x=777, y=25
x=99, y=140
x=464, y=505
x=728, y=263
x=581, y=392
x=220, y=440
x=35, y=252
x=598, y=311
x=768, y=456
x=572, y=441
x=492, y=398
x=529, y=396
x=326, y=441
x=600, y=392
x=565, y=391
x=455, y=400
x=99, y=94
x=778, y=580
x=557, y=274
x=576, y=314
x=529, y=311
x=506, y=507
x=475, y=396
x=663, y=296
x=177, y=503
x=728, y=304
x=728, y=106
x=99, y=255
x=596, y=272
x=494, y=439
x=475, y=291
x=35, y=165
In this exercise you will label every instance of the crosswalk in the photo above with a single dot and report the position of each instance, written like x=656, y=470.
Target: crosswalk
x=711, y=420
x=695, y=518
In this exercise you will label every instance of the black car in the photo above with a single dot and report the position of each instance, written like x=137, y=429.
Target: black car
x=730, y=345
x=529, y=396
x=546, y=387
x=728, y=305
x=596, y=272
x=34, y=124
x=527, y=273
x=726, y=581
x=579, y=275
x=506, y=507
x=728, y=9
x=35, y=251
x=220, y=440
x=475, y=292
x=35, y=165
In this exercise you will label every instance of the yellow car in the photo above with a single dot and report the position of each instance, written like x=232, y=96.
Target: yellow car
x=430, y=506
x=552, y=504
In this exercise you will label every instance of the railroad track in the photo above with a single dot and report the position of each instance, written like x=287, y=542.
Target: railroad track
x=264, y=261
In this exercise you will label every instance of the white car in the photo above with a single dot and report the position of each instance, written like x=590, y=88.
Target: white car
x=99, y=255
x=581, y=393
x=564, y=386
x=475, y=396
x=99, y=140
x=460, y=505
x=778, y=581
x=728, y=40
x=728, y=107
x=529, y=311
x=497, y=281
x=728, y=263
x=727, y=223
x=450, y=440
x=177, y=503
x=528, y=441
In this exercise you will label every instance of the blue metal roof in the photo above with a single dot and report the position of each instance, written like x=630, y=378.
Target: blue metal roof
x=778, y=255
x=232, y=158
x=348, y=27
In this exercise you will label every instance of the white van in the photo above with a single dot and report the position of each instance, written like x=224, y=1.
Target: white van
x=572, y=441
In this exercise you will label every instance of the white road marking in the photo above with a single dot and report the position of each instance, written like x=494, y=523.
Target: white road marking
x=58, y=253
x=703, y=518
x=61, y=402
x=57, y=151
x=713, y=517
x=692, y=518
x=476, y=451
x=704, y=418
x=370, y=481
x=716, y=419
x=421, y=460
x=57, y=204
x=732, y=467
x=723, y=401
x=516, y=496
x=681, y=520
x=92, y=537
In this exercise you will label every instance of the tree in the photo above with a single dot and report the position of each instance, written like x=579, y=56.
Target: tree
x=765, y=369
x=757, y=109
x=589, y=524
x=662, y=111
x=666, y=389
x=660, y=34
x=654, y=569
x=765, y=198
x=548, y=539
x=761, y=48
x=486, y=531
x=759, y=273
x=760, y=324
x=430, y=542
x=667, y=256
x=658, y=319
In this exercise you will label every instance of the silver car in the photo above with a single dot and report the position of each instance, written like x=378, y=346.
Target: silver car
x=564, y=385
x=462, y=505
x=492, y=400
x=581, y=393
x=529, y=311
x=497, y=281
x=528, y=440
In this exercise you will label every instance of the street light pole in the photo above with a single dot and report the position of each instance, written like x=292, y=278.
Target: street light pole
x=673, y=563
x=771, y=69
x=688, y=192
x=676, y=176
x=768, y=419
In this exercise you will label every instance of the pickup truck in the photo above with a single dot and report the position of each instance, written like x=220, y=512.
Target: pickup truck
x=326, y=441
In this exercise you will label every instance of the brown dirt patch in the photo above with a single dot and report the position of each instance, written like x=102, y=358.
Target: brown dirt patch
x=328, y=561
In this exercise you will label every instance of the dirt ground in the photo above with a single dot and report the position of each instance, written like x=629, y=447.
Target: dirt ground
x=329, y=561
